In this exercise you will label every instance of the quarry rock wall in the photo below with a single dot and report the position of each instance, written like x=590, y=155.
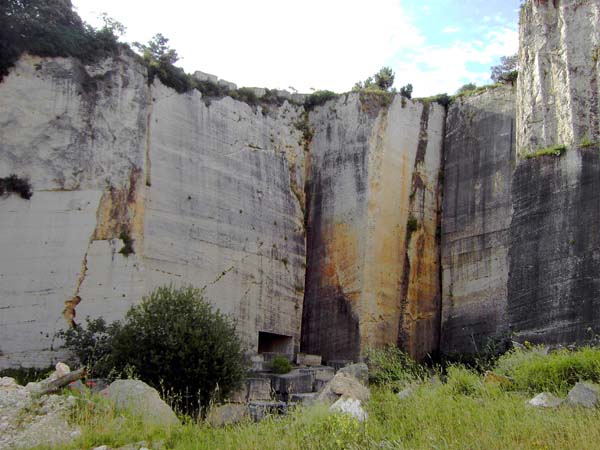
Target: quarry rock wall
x=554, y=273
x=369, y=220
x=479, y=161
x=210, y=193
x=373, y=202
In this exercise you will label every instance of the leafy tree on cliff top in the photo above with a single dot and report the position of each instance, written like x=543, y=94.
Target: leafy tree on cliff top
x=51, y=28
x=382, y=80
x=507, y=70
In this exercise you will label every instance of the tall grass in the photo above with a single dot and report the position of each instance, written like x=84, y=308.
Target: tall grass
x=535, y=371
x=464, y=412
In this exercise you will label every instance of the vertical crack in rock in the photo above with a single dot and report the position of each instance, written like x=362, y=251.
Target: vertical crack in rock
x=148, y=162
x=120, y=211
x=419, y=306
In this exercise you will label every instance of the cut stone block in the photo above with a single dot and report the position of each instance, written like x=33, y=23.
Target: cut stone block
x=304, y=399
x=292, y=383
x=259, y=410
x=303, y=359
x=259, y=389
x=337, y=364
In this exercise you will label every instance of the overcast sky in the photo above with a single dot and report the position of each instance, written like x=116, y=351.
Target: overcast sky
x=437, y=45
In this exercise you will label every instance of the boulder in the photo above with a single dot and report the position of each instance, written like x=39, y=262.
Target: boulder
x=407, y=392
x=227, y=414
x=584, y=395
x=545, y=400
x=344, y=384
x=142, y=400
x=351, y=407
x=359, y=371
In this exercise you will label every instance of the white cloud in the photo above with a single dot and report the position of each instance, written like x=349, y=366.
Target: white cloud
x=436, y=69
x=451, y=30
x=275, y=43
x=314, y=44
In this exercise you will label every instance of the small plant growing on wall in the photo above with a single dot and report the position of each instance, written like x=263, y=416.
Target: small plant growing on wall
x=412, y=225
x=127, y=244
x=12, y=184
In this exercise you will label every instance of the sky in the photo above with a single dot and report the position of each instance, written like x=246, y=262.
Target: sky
x=436, y=45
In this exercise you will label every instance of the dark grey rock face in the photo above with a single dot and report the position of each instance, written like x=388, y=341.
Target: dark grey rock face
x=479, y=158
x=554, y=282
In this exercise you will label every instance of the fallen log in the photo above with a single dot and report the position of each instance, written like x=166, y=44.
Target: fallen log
x=55, y=385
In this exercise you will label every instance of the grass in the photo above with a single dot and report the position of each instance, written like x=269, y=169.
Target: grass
x=478, y=90
x=535, y=372
x=463, y=412
x=555, y=150
x=586, y=142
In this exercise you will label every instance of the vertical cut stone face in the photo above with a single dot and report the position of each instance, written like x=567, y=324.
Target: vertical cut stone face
x=212, y=196
x=221, y=210
x=368, y=163
x=74, y=131
x=479, y=160
x=558, y=80
x=554, y=282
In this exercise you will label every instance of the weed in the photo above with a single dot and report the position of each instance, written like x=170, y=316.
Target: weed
x=412, y=224
x=127, y=243
x=586, y=142
x=555, y=150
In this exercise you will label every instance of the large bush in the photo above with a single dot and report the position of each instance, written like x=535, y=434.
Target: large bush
x=174, y=341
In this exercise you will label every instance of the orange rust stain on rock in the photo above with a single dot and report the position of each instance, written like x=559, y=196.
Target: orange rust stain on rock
x=342, y=262
x=421, y=314
x=122, y=210
x=69, y=312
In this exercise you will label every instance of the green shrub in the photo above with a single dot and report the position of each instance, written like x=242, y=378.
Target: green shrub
x=173, y=340
x=469, y=87
x=443, y=99
x=245, y=95
x=24, y=375
x=280, y=364
x=92, y=344
x=535, y=371
x=14, y=184
x=392, y=367
x=319, y=98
